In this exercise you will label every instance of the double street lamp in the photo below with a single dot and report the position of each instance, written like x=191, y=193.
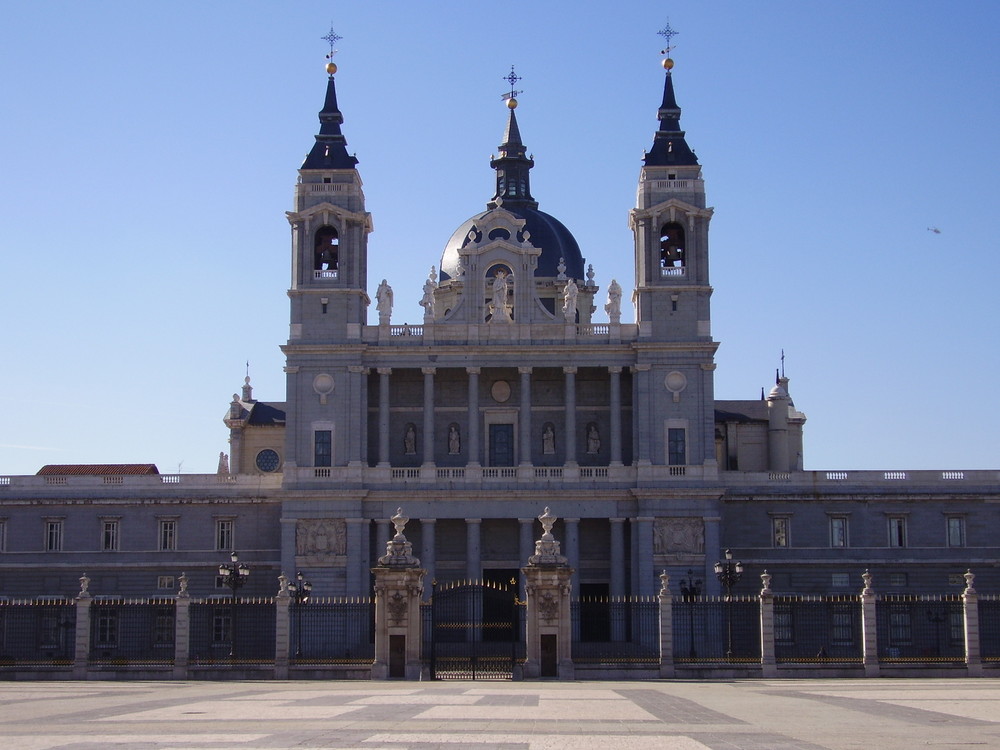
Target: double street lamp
x=300, y=589
x=233, y=577
x=729, y=574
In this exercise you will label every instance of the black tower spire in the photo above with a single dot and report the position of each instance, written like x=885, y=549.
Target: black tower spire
x=330, y=151
x=669, y=146
x=512, y=165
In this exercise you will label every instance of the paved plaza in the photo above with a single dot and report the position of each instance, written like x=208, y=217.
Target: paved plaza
x=751, y=714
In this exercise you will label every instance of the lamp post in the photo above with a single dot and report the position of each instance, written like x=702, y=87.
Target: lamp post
x=233, y=576
x=300, y=590
x=690, y=590
x=729, y=574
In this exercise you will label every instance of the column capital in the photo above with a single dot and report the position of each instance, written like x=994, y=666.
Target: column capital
x=571, y=520
x=384, y=370
x=428, y=370
x=616, y=520
x=641, y=368
x=358, y=369
x=524, y=370
x=473, y=370
x=424, y=521
x=569, y=370
x=614, y=370
x=473, y=520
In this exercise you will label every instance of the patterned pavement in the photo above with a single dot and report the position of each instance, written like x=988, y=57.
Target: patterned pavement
x=688, y=715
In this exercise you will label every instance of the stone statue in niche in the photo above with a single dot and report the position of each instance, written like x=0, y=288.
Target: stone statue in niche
x=383, y=304
x=548, y=439
x=672, y=536
x=593, y=439
x=410, y=440
x=454, y=440
x=320, y=537
x=499, y=308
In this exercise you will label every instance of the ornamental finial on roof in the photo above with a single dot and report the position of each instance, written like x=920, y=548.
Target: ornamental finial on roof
x=332, y=38
x=668, y=35
x=511, y=78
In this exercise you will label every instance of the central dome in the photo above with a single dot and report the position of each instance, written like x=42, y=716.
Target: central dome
x=547, y=233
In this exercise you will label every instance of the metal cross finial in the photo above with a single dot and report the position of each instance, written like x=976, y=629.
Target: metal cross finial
x=512, y=78
x=668, y=34
x=333, y=37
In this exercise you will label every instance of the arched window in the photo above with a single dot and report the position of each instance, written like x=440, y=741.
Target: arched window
x=672, y=253
x=327, y=250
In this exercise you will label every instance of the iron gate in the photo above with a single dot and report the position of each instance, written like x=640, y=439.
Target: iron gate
x=475, y=631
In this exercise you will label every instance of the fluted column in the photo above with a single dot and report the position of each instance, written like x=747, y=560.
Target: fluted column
x=473, y=550
x=383, y=415
x=615, y=382
x=640, y=402
x=617, y=583
x=473, y=428
x=570, y=373
x=524, y=418
x=428, y=446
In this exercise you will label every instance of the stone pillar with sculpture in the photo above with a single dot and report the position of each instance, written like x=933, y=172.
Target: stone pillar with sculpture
x=399, y=589
x=869, y=628
x=81, y=654
x=547, y=588
x=970, y=612
x=768, y=662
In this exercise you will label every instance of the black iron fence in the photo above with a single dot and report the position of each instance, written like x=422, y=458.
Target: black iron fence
x=710, y=630
x=333, y=631
x=989, y=628
x=920, y=629
x=130, y=632
x=232, y=631
x=37, y=632
x=818, y=630
x=620, y=632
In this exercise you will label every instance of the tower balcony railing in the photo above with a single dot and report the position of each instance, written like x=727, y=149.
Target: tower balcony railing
x=672, y=271
x=326, y=274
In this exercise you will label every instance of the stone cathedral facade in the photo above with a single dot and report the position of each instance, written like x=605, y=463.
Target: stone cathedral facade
x=512, y=395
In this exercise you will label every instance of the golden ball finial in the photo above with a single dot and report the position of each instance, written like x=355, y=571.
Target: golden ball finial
x=668, y=64
x=331, y=68
x=512, y=103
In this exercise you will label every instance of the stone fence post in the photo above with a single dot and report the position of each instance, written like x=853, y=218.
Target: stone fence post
x=666, y=628
x=399, y=590
x=869, y=628
x=282, y=628
x=768, y=664
x=182, y=629
x=970, y=607
x=548, y=581
x=81, y=651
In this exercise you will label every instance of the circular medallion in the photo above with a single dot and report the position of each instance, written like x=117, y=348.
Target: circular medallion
x=323, y=384
x=500, y=391
x=675, y=382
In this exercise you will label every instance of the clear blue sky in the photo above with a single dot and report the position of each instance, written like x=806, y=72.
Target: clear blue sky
x=148, y=152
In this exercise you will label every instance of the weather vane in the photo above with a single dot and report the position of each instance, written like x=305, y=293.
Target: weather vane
x=511, y=78
x=333, y=37
x=668, y=34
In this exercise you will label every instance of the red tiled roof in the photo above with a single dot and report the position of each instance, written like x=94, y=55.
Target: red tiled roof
x=102, y=470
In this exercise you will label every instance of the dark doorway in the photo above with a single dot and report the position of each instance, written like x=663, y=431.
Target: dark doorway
x=397, y=656
x=501, y=445
x=550, y=655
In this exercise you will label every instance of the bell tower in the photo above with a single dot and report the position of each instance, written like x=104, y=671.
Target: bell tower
x=329, y=301
x=672, y=292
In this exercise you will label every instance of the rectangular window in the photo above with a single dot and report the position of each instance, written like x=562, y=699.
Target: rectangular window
x=842, y=625
x=838, y=531
x=840, y=580
x=897, y=531
x=222, y=627
x=53, y=536
x=956, y=531
x=677, y=446
x=956, y=627
x=900, y=628
x=165, y=582
x=224, y=535
x=898, y=580
x=779, y=531
x=324, y=448
x=109, y=536
x=783, y=633
x=168, y=535
x=163, y=627
x=107, y=628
